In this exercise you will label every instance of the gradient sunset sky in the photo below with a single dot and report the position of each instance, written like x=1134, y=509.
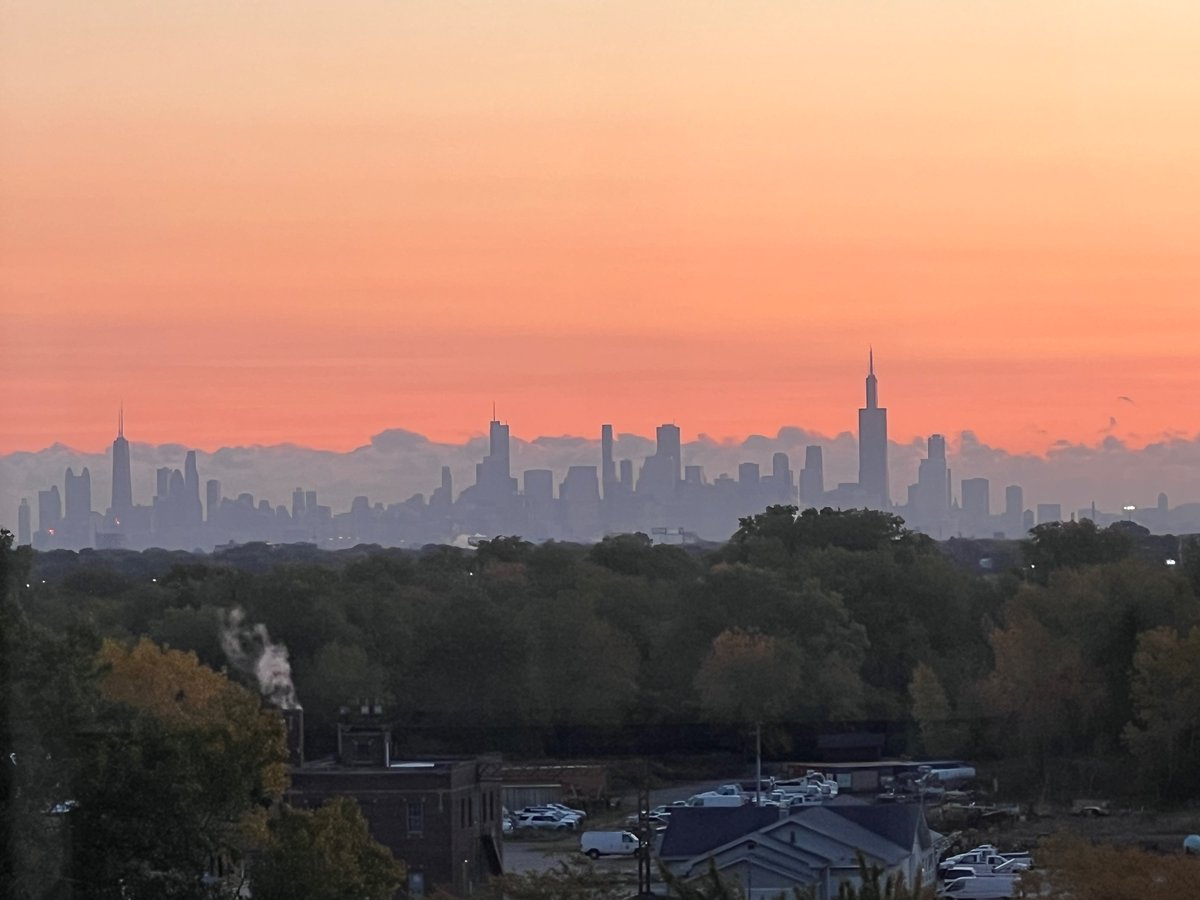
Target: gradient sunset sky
x=256, y=222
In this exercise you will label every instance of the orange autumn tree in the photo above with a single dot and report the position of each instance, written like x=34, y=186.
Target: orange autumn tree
x=180, y=774
x=1068, y=866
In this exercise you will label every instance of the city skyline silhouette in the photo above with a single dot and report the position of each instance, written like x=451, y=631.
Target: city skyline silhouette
x=618, y=483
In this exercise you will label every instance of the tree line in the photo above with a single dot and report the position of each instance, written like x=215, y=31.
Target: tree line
x=1076, y=659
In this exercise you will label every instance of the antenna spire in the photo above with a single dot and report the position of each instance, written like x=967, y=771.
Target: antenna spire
x=121, y=420
x=871, y=361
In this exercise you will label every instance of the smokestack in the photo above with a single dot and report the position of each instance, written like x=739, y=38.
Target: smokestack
x=293, y=718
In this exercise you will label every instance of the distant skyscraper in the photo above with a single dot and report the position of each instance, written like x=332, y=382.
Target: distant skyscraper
x=931, y=498
x=873, y=444
x=661, y=472
x=579, y=495
x=608, y=468
x=122, y=483
x=975, y=519
x=493, y=475
x=625, y=467
x=1049, y=512
x=78, y=495
x=212, y=499
x=748, y=474
x=782, y=488
x=193, y=511
x=669, y=447
x=298, y=504
x=1014, y=500
x=1014, y=511
x=443, y=495
x=498, y=448
x=975, y=500
x=176, y=492
x=49, y=509
x=162, y=482
x=812, y=476
x=24, y=525
x=77, y=509
x=538, y=485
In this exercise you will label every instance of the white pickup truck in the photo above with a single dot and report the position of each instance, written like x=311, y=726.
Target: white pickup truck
x=985, y=860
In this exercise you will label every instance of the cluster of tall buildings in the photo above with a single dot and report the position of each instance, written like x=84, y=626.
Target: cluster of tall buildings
x=659, y=495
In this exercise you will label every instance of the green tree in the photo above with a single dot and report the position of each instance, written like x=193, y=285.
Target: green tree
x=1071, y=545
x=941, y=735
x=750, y=677
x=177, y=778
x=1165, y=733
x=585, y=671
x=48, y=699
x=326, y=854
x=784, y=529
x=1041, y=692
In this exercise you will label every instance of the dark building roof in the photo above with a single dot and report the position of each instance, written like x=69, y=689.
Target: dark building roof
x=901, y=823
x=694, y=831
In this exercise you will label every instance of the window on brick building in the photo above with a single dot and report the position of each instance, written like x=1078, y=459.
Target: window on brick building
x=416, y=818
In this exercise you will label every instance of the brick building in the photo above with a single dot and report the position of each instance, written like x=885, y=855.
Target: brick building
x=441, y=816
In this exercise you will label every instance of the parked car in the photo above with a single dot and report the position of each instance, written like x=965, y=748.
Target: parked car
x=609, y=843
x=557, y=813
x=578, y=813
x=658, y=823
x=542, y=821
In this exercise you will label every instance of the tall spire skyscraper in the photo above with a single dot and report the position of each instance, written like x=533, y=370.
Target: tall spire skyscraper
x=873, y=444
x=122, y=483
x=493, y=475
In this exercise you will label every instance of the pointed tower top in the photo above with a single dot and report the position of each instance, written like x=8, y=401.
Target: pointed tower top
x=121, y=420
x=872, y=381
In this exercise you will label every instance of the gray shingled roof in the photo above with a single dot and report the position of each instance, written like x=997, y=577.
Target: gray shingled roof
x=900, y=823
x=695, y=831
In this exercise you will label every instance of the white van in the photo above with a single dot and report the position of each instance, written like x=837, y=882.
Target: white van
x=609, y=843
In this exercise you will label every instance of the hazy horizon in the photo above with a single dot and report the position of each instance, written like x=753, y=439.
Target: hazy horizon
x=397, y=463
x=264, y=222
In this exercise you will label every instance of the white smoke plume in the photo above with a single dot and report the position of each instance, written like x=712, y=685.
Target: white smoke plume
x=249, y=649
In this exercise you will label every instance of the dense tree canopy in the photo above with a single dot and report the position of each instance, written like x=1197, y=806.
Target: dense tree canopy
x=844, y=615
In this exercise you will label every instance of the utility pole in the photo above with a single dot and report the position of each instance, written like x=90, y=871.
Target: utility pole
x=758, y=763
x=645, y=833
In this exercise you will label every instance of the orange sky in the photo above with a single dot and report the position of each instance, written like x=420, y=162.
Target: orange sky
x=308, y=222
